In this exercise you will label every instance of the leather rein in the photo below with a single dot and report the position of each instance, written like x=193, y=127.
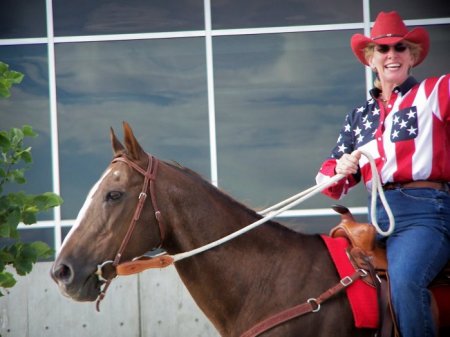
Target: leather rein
x=311, y=305
x=149, y=184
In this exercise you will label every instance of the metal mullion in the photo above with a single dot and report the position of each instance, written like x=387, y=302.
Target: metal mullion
x=211, y=98
x=53, y=122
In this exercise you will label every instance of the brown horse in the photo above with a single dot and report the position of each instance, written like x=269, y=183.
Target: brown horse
x=237, y=284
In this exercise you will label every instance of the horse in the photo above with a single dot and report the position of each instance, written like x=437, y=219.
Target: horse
x=237, y=284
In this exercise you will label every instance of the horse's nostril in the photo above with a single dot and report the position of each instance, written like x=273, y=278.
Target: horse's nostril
x=63, y=273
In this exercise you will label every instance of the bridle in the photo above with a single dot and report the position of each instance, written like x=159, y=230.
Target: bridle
x=165, y=260
x=149, y=184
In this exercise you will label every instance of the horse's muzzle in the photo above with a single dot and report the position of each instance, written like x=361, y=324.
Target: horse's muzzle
x=77, y=287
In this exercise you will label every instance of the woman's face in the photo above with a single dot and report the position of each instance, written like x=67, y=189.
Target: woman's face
x=391, y=62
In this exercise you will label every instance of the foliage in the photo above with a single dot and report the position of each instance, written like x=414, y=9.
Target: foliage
x=18, y=207
x=7, y=79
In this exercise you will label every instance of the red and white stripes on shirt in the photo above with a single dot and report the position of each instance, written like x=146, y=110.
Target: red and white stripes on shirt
x=409, y=139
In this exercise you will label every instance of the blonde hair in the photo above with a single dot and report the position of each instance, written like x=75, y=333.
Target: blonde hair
x=414, y=48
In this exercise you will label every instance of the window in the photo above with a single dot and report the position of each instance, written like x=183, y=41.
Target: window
x=277, y=76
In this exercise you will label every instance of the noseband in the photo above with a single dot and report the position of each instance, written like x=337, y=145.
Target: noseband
x=149, y=184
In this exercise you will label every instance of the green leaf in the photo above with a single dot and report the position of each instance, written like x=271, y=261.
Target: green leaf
x=3, y=67
x=4, y=89
x=47, y=200
x=16, y=136
x=7, y=79
x=7, y=280
x=5, y=144
x=28, y=131
x=5, y=256
x=14, y=77
x=5, y=231
x=25, y=155
x=29, y=218
x=41, y=249
x=26, y=256
x=19, y=176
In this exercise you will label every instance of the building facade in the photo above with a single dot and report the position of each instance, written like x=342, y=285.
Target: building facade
x=250, y=94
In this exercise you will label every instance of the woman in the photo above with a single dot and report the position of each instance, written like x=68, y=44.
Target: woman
x=405, y=126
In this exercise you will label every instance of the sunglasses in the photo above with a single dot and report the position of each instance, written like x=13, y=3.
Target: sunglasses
x=384, y=48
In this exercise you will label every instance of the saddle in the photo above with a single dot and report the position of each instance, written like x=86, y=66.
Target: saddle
x=365, y=253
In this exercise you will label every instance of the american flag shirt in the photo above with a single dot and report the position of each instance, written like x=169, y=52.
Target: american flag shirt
x=409, y=139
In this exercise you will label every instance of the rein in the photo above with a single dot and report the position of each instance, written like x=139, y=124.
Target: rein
x=160, y=261
x=140, y=264
x=149, y=181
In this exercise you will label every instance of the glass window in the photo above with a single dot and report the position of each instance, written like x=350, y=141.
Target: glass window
x=437, y=61
x=39, y=234
x=281, y=100
x=22, y=19
x=29, y=104
x=158, y=86
x=92, y=17
x=411, y=9
x=316, y=224
x=268, y=13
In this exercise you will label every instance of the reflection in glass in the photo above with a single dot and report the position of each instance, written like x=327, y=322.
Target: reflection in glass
x=411, y=9
x=87, y=17
x=268, y=13
x=158, y=86
x=29, y=104
x=41, y=234
x=316, y=224
x=22, y=19
x=30, y=235
x=437, y=61
x=280, y=102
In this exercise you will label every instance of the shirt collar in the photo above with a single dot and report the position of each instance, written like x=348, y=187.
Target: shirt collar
x=403, y=88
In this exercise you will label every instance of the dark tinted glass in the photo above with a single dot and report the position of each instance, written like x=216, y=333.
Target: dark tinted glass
x=42, y=234
x=317, y=224
x=30, y=235
x=22, y=19
x=411, y=9
x=92, y=17
x=29, y=104
x=280, y=102
x=158, y=86
x=437, y=61
x=269, y=13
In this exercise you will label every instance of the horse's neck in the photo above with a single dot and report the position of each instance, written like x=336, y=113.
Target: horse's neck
x=228, y=278
x=218, y=279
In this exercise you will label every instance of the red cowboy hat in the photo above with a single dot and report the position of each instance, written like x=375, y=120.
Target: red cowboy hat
x=389, y=29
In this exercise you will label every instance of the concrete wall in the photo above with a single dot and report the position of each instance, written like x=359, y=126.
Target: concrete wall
x=152, y=304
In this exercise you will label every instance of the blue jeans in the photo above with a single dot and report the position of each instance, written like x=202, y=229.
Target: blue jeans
x=417, y=250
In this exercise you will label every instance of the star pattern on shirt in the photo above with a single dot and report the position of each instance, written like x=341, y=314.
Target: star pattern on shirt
x=359, y=128
x=404, y=124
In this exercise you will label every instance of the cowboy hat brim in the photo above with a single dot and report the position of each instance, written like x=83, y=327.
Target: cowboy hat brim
x=417, y=35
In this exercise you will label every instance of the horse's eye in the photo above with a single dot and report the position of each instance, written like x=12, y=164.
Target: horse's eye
x=114, y=195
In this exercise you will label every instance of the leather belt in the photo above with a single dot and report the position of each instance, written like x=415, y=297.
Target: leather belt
x=437, y=185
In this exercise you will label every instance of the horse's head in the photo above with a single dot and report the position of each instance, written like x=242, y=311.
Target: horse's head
x=104, y=221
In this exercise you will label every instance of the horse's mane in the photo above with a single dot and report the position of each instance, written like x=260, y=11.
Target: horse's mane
x=210, y=187
x=225, y=197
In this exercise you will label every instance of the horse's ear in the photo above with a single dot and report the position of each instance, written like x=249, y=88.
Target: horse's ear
x=134, y=149
x=118, y=148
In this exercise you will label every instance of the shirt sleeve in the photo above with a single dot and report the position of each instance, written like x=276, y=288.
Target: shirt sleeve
x=344, y=144
x=444, y=97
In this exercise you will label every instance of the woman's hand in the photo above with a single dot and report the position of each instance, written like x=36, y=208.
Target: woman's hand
x=348, y=163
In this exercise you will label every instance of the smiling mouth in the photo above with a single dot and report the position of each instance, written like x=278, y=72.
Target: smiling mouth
x=393, y=66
